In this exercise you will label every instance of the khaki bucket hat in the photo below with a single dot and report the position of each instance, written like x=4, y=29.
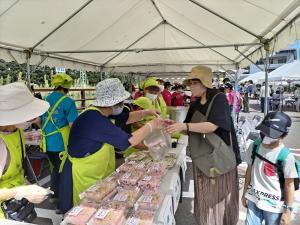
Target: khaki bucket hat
x=203, y=73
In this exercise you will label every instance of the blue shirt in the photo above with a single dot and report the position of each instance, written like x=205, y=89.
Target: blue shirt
x=64, y=114
x=91, y=130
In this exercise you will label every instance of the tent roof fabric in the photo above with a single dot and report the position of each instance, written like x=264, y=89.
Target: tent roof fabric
x=49, y=26
x=289, y=71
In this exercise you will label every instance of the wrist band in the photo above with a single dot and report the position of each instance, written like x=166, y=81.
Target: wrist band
x=149, y=124
x=288, y=207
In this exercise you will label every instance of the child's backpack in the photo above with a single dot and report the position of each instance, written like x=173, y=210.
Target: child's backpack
x=278, y=164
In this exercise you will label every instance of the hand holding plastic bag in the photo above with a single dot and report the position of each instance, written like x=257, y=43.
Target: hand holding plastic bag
x=32, y=193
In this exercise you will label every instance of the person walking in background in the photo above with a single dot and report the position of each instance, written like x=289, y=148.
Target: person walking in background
x=246, y=95
x=178, y=96
x=56, y=125
x=263, y=97
x=166, y=94
x=297, y=97
x=234, y=100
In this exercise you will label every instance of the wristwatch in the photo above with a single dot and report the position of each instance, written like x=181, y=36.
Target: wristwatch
x=291, y=209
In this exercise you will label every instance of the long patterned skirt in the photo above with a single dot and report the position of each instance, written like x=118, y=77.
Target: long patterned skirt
x=216, y=200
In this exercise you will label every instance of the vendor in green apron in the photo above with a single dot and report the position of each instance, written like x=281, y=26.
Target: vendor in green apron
x=56, y=123
x=18, y=108
x=93, y=138
x=152, y=91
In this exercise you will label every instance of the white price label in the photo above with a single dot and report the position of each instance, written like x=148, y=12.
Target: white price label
x=147, y=199
x=75, y=211
x=101, y=213
x=147, y=178
x=126, y=175
x=133, y=221
x=92, y=188
x=120, y=198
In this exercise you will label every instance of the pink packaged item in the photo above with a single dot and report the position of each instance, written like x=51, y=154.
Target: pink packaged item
x=108, y=217
x=79, y=215
x=127, y=196
x=137, y=156
x=99, y=191
x=150, y=200
x=141, y=217
x=149, y=182
x=142, y=166
x=157, y=168
x=127, y=166
x=131, y=178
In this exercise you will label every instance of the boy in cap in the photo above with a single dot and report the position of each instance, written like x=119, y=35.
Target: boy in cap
x=269, y=189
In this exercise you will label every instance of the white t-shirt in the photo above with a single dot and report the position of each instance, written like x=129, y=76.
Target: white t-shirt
x=264, y=189
x=263, y=92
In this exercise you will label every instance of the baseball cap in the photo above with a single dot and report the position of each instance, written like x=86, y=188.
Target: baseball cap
x=275, y=124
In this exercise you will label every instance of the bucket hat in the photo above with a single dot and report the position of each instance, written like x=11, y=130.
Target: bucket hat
x=202, y=73
x=151, y=82
x=18, y=105
x=110, y=92
x=62, y=80
x=275, y=124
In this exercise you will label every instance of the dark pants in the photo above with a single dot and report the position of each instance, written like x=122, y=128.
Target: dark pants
x=55, y=161
x=262, y=104
x=246, y=103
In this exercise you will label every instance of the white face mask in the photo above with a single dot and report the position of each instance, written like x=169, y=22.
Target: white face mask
x=116, y=109
x=268, y=140
x=161, y=88
x=24, y=125
x=151, y=96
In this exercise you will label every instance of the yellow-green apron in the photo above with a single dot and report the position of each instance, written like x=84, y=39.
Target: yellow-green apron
x=162, y=107
x=14, y=175
x=64, y=131
x=88, y=170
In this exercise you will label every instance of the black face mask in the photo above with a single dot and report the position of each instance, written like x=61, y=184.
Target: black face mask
x=262, y=135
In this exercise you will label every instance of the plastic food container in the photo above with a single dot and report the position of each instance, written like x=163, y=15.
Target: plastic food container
x=78, y=215
x=108, y=216
x=100, y=191
x=150, y=200
x=141, y=217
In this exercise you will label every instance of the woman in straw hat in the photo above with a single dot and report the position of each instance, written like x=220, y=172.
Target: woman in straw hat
x=216, y=200
x=18, y=109
x=93, y=138
x=56, y=123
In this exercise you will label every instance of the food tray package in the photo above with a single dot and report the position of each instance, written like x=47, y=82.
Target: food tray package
x=157, y=168
x=150, y=200
x=142, y=166
x=169, y=162
x=137, y=156
x=141, y=217
x=78, y=215
x=99, y=191
x=108, y=217
x=171, y=155
x=114, y=177
x=131, y=178
x=127, y=166
x=149, y=182
x=127, y=196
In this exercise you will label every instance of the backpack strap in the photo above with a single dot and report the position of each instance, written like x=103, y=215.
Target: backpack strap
x=255, y=148
x=284, y=152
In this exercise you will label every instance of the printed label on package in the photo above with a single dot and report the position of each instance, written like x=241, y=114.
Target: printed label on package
x=101, y=213
x=75, y=211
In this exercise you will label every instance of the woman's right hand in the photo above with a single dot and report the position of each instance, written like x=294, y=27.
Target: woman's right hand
x=156, y=123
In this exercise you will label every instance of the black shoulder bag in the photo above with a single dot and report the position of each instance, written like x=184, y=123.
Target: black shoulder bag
x=19, y=210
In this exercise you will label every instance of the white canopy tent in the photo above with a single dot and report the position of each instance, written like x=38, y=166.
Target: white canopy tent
x=289, y=71
x=255, y=77
x=143, y=36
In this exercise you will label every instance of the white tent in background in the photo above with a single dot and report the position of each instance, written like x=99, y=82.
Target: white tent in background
x=289, y=71
x=255, y=77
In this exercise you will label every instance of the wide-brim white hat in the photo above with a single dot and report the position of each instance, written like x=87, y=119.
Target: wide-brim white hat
x=110, y=92
x=18, y=105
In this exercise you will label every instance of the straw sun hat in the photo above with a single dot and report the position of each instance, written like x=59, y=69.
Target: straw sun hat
x=202, y=73
x=17, y=104
x=110, y=92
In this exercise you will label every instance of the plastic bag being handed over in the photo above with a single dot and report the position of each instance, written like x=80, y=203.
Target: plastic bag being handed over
x=33, y=193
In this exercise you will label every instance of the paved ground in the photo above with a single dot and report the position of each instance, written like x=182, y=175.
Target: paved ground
x=184, y=214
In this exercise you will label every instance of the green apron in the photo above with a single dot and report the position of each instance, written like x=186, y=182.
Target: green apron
x=14, y=175
x=64, y=131
x=161, y=105
x=88, y=170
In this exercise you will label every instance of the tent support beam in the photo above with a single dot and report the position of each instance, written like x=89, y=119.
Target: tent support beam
x=169, y=64
x=267, y=64
x=186, y=34
x=63, y=23
x=271, y=39
x=225, y=19
x=28, y=56
x=42, y=60
x=246, y=57
x=133, y=43
x=159, y=12
x=138, y=50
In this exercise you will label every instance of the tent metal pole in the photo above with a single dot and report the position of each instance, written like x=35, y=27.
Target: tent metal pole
x=63, y=23
x=267, y=63
x=225, y=19
x=140, y=38
x=170, y=64
x=138, y=50
x=28, y=81
x=246, y=57
x=159, y=12
x=42, y=60
x=199, y=41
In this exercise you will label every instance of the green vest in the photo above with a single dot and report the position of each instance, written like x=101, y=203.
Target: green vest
x=88, y=170
x=14, y=175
